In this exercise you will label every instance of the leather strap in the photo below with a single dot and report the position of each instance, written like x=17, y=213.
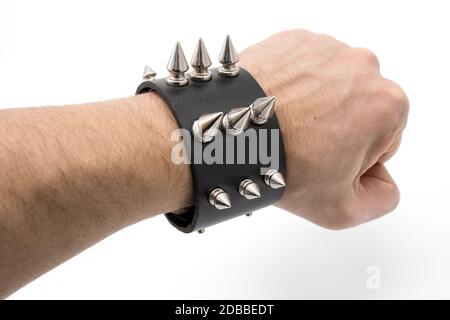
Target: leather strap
x=188, y=103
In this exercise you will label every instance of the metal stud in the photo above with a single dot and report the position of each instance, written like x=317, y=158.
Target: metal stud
x=177, y=67
x=249, y=189
x=219, y=199
x=274, y=179
x=237, y=120
x=228, y=58
x=207, y=126
x=149, y=74
x=200, y=63
x=202, y=230
x=262, y=110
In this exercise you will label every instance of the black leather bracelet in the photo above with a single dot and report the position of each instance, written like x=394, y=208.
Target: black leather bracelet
x=220, y=112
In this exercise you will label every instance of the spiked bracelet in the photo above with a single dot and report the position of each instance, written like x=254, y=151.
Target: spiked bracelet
x=230, y=133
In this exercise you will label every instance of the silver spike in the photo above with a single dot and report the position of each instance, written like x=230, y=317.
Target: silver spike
x=262, y=110
x=228, y=58
x=177, y=67
x=237, y=120
x=274, y=179
x=149, y=74
x=249, y=190
x=200, y=63
x=249, y=214
x=202, y=230
x=207, y=126
x=219, y=199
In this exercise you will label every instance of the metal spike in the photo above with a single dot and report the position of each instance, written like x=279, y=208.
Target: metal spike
x=207, y=126
x=219, y=199
x=262, y=110
x=249, y=190
x=237, y=120
x=177, y=67
x=200, y=62
x=249, y=214
x=149, y=74
x=228, y=58
x=201, y=230
x=274, y=179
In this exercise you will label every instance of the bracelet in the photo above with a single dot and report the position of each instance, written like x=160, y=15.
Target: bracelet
x=230, y=136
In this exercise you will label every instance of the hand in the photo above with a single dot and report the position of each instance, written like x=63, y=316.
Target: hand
x=340, y=119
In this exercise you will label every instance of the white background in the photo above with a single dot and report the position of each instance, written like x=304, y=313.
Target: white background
x=60, y=52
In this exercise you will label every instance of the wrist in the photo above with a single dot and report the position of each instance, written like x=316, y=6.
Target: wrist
x=170, y=185
x=279, y=86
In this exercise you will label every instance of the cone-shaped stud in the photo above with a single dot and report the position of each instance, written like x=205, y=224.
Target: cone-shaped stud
x=200, y=63
x=177, y=67
x=274, y=179
x=219, y=199
x=249, y=190
x=262, y=110
x=149, y=74
x=228, y=58
x=237, y=120
x=207, y=126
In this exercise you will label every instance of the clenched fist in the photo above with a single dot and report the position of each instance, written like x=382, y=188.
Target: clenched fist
x=340, y=119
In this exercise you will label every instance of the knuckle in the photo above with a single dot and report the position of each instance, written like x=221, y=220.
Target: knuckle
x=399, y=98
x=366, y=56
x=395, y=101
x=325, y=37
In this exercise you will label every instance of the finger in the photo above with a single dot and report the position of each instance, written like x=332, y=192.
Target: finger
x=378, y=194
x=391, y=150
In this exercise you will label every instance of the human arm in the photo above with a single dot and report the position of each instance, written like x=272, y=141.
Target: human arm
x=70, y=176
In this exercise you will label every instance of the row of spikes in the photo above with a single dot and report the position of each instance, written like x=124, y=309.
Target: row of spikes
x=234, y=122
x=247, y=188
x=200, y=62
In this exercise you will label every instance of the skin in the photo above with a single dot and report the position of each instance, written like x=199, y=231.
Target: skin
x=72, y=175
x=341, y=121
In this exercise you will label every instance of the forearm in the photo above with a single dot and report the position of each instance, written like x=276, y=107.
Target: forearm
x=69, y=176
